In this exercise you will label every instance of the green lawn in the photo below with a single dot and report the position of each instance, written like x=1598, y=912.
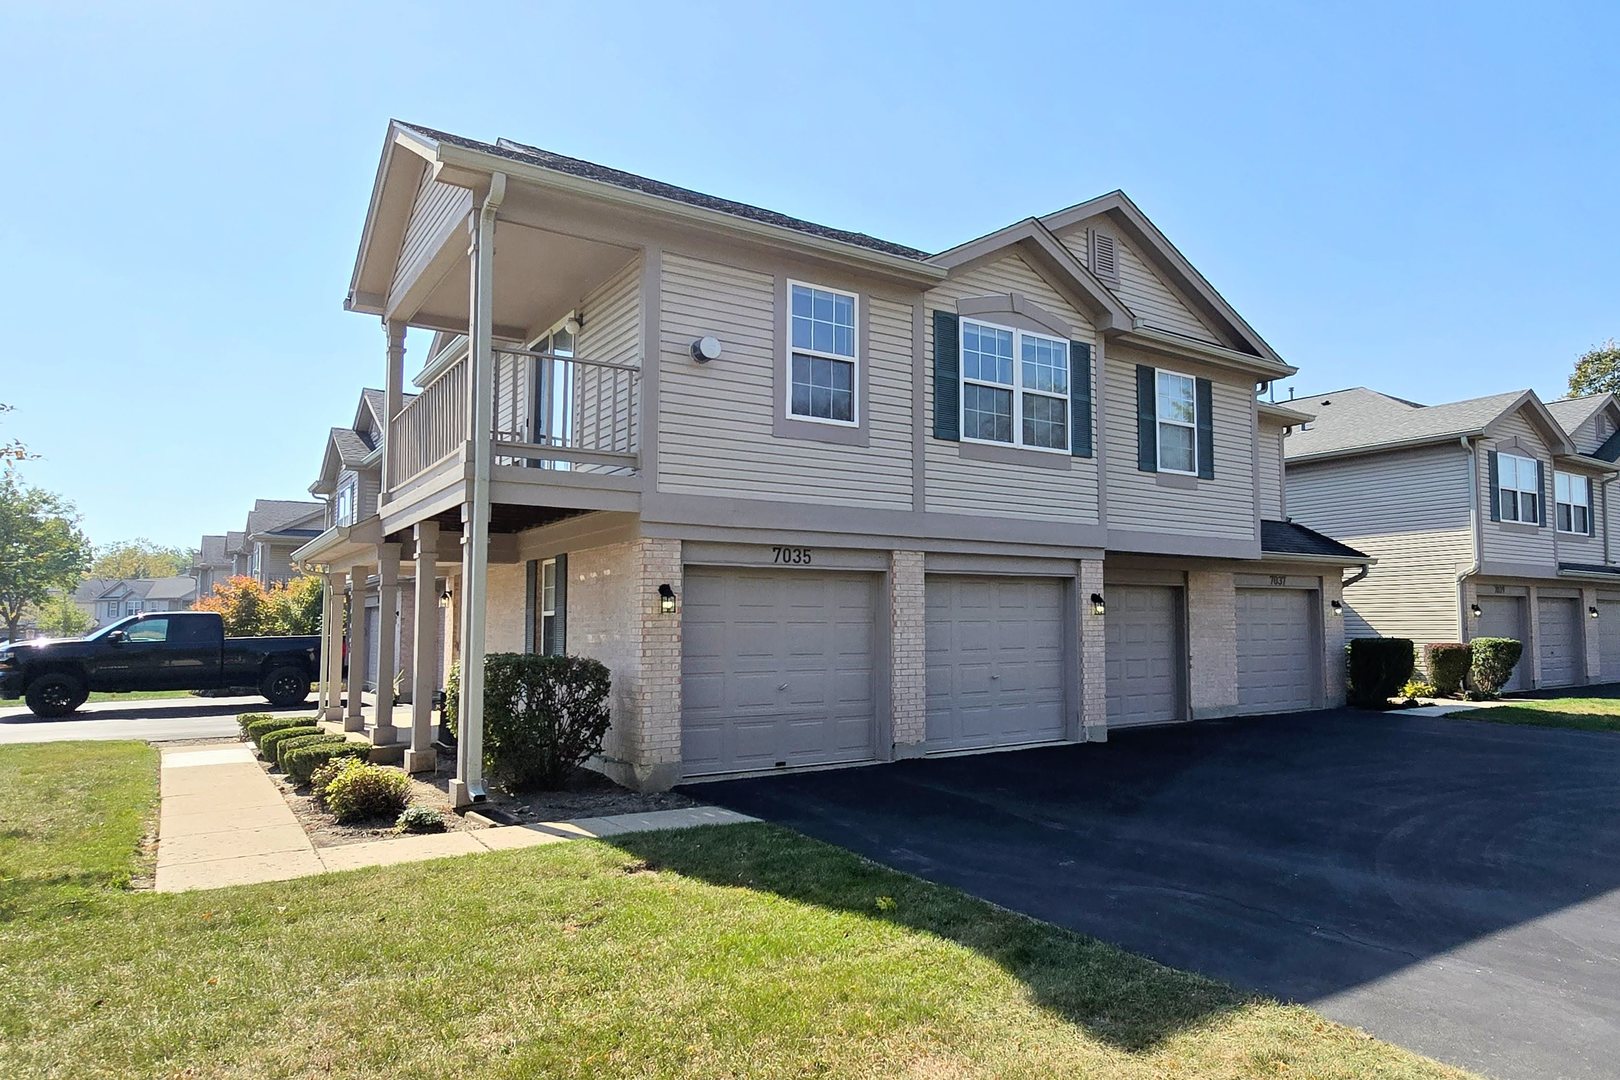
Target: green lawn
x=141, y=695
x=1583, y=714
x=718, y=952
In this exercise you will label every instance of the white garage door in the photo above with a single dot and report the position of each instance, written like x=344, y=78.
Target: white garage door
x=1503, y=616
x=1609, y=639
x=1559, y=641
x=777, y=669
x=1276, y=650
x=1146, y=654
x=995, y=662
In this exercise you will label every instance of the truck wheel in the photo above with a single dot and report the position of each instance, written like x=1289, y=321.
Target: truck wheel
x=285, y=686
x=55, y=695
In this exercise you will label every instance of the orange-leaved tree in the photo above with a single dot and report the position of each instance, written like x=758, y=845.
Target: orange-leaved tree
x=249, y=609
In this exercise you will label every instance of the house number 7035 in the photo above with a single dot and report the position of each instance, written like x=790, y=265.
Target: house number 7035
x=796, y=555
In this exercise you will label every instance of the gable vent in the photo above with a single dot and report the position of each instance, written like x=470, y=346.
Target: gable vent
x=1104, y=257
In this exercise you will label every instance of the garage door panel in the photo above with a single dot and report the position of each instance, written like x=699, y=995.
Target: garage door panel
x=1277, y=660
x=1145, y=651
x=995, y=661
x=1559, y=641
x=777, y=667
x=1504, y=616
x=1609, y=639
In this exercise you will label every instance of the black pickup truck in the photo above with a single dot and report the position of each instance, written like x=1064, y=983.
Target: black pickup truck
x=161, y=650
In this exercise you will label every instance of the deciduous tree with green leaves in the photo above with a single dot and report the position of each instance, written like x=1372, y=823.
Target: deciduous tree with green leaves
x=42, y=549
x=61, y=617
x=1597, y=371
x=140, y=558
x=12, y=450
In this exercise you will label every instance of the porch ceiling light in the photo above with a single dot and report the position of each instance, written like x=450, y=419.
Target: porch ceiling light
x=573, y=324
x=666, y=599
x=1473, y=611
x=1098, y=605
x=1338, y=608
x=1592, y=611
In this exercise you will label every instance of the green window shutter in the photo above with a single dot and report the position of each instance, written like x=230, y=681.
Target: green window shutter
x=1496, y=486
x=1147, y=419
x=1205, y=398
x=947, y=377
x=1079, y=399
x=531, y=606
x=1543, y=504
x=559, y=623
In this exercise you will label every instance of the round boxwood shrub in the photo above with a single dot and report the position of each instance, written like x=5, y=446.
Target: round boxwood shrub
x=1448, y=663
x=361, y=791
x=258, y=729
x=245, y=720
x=269, y=742
x=301, y=762
x=1379, y=667
x=543, y=716
x=1493, y=662
x=296, y=741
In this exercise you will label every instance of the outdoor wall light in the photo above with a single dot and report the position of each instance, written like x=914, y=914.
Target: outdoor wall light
x=666, y=599
x=706, y=348
x=1592, y=611
x=1338, y=608
x=1098, y=607
x=444, y=598
x=1473, y=611
x=573, y=325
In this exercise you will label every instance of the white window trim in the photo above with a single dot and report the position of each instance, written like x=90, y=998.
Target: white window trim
x=1016, y=386
x=1585, y=504
x=853, y=360
x=1503, y=491
x=546, y=613
x=1159, y=419
x=348, y=489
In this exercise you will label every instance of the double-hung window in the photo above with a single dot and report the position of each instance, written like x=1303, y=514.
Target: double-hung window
x=343, y=510
x=1015, y=387
x=1176, y=406
x=549, y=645
x=1573, y=494
x=823, y=356
x=1518, y=484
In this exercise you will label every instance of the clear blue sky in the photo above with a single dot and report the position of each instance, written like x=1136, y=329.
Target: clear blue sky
x=1419, y=197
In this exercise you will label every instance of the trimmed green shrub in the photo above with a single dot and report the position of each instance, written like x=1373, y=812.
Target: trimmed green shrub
x=294, y=742
x=448, y=715
x=1416, y=688
x=273, y=739
x=1493, y=662
x=245, y=720
x=1379, y=667
x=1448, y=663
x=419, y=819
x=323, y=774
x=543, y=716
x=258, y=729
x=362, y=791
x=302, y=762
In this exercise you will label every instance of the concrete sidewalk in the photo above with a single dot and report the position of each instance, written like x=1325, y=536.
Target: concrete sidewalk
x=224, y=822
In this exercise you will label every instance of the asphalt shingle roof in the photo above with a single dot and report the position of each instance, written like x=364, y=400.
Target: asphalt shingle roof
x=352, y=447
x=234, y=542
x=275, y=515
x=545, y=159
x=1588, y=568
x=213, y=552
x=1291, y=538
x=1571, y=413
x=1362, y=419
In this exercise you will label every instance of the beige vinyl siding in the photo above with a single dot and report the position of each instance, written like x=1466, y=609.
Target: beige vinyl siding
x=369, y=483
x=716, y=420
x=1222, y=507
x=604, y=400
x=962, y=485
x=1410, y=511
x=513, y=396
x=1512, y=542
x=1272, y=503
x=437, y=205
x=1148, y=296
x=275, y=562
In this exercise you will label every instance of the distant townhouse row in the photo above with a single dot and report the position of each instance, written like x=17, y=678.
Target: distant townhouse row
x=1491, y=517
x=263, y=549
x=812, y=496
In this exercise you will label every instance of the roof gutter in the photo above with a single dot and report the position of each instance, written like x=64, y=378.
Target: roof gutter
x=911, y=270
x=1379, y=448
x=1147, y=337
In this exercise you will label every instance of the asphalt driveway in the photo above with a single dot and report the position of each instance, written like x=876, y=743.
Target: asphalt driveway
x=1447, y=885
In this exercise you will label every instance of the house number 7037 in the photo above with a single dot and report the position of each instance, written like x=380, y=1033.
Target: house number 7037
x=798, y=556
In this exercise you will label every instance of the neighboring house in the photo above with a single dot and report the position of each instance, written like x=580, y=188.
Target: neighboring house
x=215, y=564
x=817, y=498
x=275, y=529
x=1489, y=518
x=107, y=600
x=236, y=549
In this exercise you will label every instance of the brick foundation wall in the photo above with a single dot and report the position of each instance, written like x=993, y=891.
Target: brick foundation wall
x=908, y=682
x=1212, y=643
x=1093, y=655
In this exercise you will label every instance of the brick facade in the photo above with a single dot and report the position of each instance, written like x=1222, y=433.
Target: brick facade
x=1093, y=655
x=1333, y=634
x=1212, y=643
x=908, y=681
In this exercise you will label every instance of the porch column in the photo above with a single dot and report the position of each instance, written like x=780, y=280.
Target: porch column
x=468, y=786
x=393, y=396
x=356, y=717
x=383, y=733
x=332, y=648
x=422, y=757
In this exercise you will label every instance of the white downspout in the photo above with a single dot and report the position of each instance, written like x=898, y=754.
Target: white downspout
x=1473, y=537
x=468, y=787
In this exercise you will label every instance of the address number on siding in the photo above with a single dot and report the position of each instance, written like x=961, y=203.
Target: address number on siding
x=793, y=555
x=1279, y=579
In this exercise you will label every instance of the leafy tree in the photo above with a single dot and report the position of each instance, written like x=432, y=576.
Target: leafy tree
x=61, y=617
x=12, y=450
x=1597, y=371
x=250, y=610
x=42, y=549
x=240, y=603
x=140, y=558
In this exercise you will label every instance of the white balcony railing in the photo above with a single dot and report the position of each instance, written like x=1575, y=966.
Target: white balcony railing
x=551, y=411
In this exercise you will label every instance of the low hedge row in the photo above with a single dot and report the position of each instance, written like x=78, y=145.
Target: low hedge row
x=301, y=762
x=269, y=742
x=258, y=728
x=296, y=741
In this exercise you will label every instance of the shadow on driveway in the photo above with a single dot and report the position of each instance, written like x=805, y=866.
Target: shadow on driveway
x=1446, y=884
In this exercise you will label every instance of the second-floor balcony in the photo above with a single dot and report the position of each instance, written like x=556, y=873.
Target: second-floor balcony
x=566, y=420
